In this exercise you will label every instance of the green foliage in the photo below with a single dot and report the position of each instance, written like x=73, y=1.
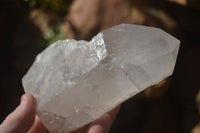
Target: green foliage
x=54, y=34
x=58, y=6
x=55, y=10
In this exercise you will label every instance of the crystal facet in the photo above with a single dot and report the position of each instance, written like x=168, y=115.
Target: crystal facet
x=75, y=82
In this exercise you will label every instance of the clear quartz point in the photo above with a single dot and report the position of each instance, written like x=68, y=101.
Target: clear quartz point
x=75, y=82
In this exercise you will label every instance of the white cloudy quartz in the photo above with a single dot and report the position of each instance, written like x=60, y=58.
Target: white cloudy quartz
x=75, y=82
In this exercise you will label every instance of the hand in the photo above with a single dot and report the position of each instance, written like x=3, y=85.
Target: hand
x=24, y=120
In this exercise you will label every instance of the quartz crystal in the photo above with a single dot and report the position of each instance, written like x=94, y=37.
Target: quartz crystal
x=75, y=82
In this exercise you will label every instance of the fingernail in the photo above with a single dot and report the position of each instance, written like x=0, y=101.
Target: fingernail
x=23, y=100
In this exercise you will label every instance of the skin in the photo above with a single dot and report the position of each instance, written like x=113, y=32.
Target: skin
x=24, y=120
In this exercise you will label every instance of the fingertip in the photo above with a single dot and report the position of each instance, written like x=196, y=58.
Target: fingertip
x=102, y=125
x=113, y=113
x=29, y=101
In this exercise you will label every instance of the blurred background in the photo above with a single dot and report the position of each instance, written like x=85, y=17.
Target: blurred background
x=29, y=26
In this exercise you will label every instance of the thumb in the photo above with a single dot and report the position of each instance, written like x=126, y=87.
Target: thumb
x=22, y=118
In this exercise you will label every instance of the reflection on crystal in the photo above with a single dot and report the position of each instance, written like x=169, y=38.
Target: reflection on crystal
x=75, y=82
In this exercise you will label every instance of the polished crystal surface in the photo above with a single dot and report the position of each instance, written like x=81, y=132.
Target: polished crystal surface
x=75, y=82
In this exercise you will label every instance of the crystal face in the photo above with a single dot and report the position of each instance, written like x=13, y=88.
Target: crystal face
x=75, y=82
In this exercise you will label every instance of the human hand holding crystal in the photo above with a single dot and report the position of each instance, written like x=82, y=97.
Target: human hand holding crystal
x=24, y=120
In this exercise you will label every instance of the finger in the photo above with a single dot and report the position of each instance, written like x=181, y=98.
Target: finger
x=22, y=118
x=83, y=129
x=113, y=113
x=103, y=124
x=37, y=127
